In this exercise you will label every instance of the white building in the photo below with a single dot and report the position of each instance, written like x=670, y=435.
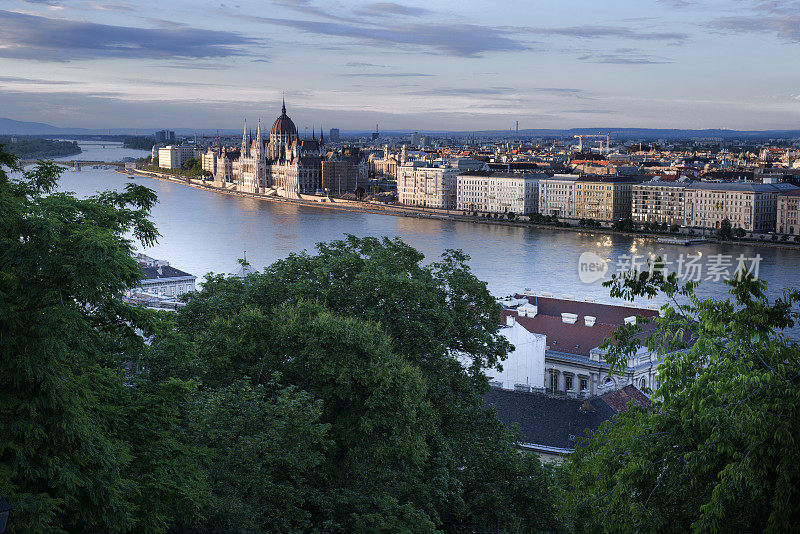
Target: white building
x=659, y=201
x=557, y=195
x=498, y=192
x=174, y=156
x=166, y=281
x=427, y=186
x=556, y=347
x=750, y=206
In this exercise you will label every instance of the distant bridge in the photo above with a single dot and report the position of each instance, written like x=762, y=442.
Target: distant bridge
x=75, y=164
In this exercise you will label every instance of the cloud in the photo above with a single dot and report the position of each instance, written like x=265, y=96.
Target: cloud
x=384, y=75
x=677, y=3
x=305, y=6
x=34, y=81
x=784, y=26
x=360, y=64
x=452, y=39
x=462, y=91
x=383, y=9
x=558, y=90
x=598, y=32
x=109, y=6
x=624, y=57
x=49, y=39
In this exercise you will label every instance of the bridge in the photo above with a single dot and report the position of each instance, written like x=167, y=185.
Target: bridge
x=75, y=164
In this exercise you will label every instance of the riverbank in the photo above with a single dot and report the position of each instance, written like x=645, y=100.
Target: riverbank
x=430, y=213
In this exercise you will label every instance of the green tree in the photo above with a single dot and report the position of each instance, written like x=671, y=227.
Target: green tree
x=70, y=454
x=717, y=451
x=725, y=229
x=412, y=444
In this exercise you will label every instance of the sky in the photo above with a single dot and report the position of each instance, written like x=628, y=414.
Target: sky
x=468, y=65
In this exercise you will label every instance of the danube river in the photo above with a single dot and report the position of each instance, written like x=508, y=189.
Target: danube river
x=205, y=232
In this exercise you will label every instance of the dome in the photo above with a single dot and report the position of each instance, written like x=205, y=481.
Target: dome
x=283, y=124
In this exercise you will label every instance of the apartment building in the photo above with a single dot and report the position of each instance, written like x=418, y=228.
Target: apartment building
x=427, y=186
x=788, y=221
x=219, y=162
x=498, y=192
x=603, y=198
x=174, y=156
x=750, y=206
x=659, y=201
x=557, y=195
x=339, y=177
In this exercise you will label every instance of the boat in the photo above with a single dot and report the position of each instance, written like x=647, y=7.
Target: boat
x=682, y=241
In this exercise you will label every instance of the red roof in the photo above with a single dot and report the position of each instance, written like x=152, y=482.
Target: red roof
x=618, y=400
x=576, y=338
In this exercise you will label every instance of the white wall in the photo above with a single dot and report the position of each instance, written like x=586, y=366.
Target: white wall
x=525, y=365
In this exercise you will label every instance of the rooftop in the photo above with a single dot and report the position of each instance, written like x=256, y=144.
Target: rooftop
x=559, y=422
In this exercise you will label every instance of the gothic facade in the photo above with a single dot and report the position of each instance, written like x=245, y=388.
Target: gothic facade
x=285, y=165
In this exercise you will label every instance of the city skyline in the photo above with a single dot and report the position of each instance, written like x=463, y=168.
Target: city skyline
x=410, y=65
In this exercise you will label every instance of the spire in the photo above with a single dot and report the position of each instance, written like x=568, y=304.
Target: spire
x=321, y=139
x=245, y=146
x=283, y=108
x=259, y=146
x=313, y=128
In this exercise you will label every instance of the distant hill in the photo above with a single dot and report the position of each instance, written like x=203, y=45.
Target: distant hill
x=12, y=127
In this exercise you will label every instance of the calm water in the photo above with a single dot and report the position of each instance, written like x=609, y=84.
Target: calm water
x=205, y=232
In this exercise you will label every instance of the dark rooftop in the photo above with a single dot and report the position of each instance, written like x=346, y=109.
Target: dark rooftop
x=558, y=422
x=162, y=273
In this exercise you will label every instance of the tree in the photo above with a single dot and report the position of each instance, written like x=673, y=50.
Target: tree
x=624, y=225
x=69, y=455
x=725, y=230
x=717, y=450
x=739, y=232
x=411, y=444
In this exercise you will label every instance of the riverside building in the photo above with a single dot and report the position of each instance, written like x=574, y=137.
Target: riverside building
x=750, y=206
x=427, y=186
x=557, y=195
x=788, y=220
x=659, y=201
x=498, y=192
x=603, y=198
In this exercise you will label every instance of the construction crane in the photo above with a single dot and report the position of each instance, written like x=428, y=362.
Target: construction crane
x=606, y=135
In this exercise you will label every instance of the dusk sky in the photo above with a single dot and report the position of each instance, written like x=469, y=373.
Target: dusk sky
x=470, y=65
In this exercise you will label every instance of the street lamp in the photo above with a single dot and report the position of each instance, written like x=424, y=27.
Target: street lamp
x=5, y=510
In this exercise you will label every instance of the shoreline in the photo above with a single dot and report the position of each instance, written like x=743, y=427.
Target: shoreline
x=396, y=211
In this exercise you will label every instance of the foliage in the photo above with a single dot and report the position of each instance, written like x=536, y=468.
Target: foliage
x=725, y=229
x=412, y=448
x=325, y=394
x=36, y=147
x=139, y=142
x=624, y=225
x=717, y=452
x=71, y=448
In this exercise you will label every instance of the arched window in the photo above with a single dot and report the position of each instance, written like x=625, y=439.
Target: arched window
x=642, y=383
x=607, y=380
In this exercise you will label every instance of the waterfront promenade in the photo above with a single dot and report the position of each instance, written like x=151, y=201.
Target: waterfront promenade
x=397, y=210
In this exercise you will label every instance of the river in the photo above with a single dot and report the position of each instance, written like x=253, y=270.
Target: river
x=204, y=232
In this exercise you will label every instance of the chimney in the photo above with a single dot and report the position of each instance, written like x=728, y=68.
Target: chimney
x=589, y=320
x=509, y=320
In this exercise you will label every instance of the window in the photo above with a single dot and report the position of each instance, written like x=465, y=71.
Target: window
x=642, y=383
x=584, y=384
x=567, y=383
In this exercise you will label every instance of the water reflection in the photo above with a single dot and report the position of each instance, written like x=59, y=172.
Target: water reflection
x=204, y=232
